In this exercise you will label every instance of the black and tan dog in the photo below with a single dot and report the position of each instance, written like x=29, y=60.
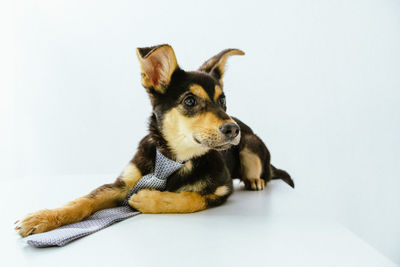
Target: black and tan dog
x=189, y=123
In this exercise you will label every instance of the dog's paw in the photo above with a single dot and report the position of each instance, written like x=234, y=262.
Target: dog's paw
x=149, y=201
x=254, y=184
x=37, y=222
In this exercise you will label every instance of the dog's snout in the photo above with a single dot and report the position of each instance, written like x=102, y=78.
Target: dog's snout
x=230, y=130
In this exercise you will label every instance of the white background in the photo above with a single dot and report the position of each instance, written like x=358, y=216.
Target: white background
x=319, y=83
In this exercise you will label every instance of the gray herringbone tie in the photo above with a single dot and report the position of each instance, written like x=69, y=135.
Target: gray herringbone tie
x=61, y=236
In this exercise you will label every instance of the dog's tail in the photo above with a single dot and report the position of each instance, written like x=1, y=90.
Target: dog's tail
x=281, y=174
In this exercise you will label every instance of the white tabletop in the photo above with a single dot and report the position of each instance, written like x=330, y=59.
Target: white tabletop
x=275, y=227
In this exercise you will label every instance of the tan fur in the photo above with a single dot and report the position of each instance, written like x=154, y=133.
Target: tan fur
x=254, y=183
x=221, y=191
x=157, y=67
x=38, y=222
x=151, y=201
x=218, y=92
x=199, y=91
x=251, y=164
x=74, y=211
x=251, y=170
x=179, y=131
x=131, y=175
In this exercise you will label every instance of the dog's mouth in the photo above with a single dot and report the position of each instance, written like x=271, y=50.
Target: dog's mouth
x=220, y=147
x=223, y=146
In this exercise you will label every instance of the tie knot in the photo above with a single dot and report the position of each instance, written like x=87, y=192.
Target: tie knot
x=164, y=166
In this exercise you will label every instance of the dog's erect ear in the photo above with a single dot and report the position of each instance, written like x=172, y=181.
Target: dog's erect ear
x=157, y=64
x=216, y=65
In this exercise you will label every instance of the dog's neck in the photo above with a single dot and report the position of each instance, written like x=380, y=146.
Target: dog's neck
x=168, y=149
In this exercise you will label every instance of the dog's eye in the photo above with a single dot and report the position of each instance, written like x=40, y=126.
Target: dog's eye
x=222, y=101
x=190, y=101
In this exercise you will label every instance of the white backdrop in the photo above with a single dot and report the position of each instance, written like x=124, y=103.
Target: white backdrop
x=319, y=83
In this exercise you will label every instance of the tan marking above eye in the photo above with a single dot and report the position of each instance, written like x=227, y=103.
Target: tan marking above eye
x=218, y=92
x=199, y=91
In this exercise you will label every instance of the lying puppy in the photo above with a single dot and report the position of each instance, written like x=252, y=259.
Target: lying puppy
x=189, y=124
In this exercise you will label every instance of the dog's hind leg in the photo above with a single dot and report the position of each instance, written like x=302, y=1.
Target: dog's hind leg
x=251, y=170
x=254, y=160
x=256, y=169
x=106, y=196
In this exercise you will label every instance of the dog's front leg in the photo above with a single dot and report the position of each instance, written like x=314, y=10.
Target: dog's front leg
x=153, y=201
x=106, y=196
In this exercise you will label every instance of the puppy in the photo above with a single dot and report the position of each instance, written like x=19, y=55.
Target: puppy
x=189, y=124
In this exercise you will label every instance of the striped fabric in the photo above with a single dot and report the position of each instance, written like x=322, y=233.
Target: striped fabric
x=61, y=236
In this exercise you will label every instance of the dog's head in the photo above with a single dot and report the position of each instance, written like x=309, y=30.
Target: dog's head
x=189, y=107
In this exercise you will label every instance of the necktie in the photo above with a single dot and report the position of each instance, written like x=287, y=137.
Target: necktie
x=61, y=236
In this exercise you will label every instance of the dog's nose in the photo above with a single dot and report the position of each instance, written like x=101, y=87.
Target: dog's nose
x=230, y=130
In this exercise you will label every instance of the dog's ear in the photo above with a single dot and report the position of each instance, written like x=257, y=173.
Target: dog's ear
x=216, y=65
x=157, y=64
